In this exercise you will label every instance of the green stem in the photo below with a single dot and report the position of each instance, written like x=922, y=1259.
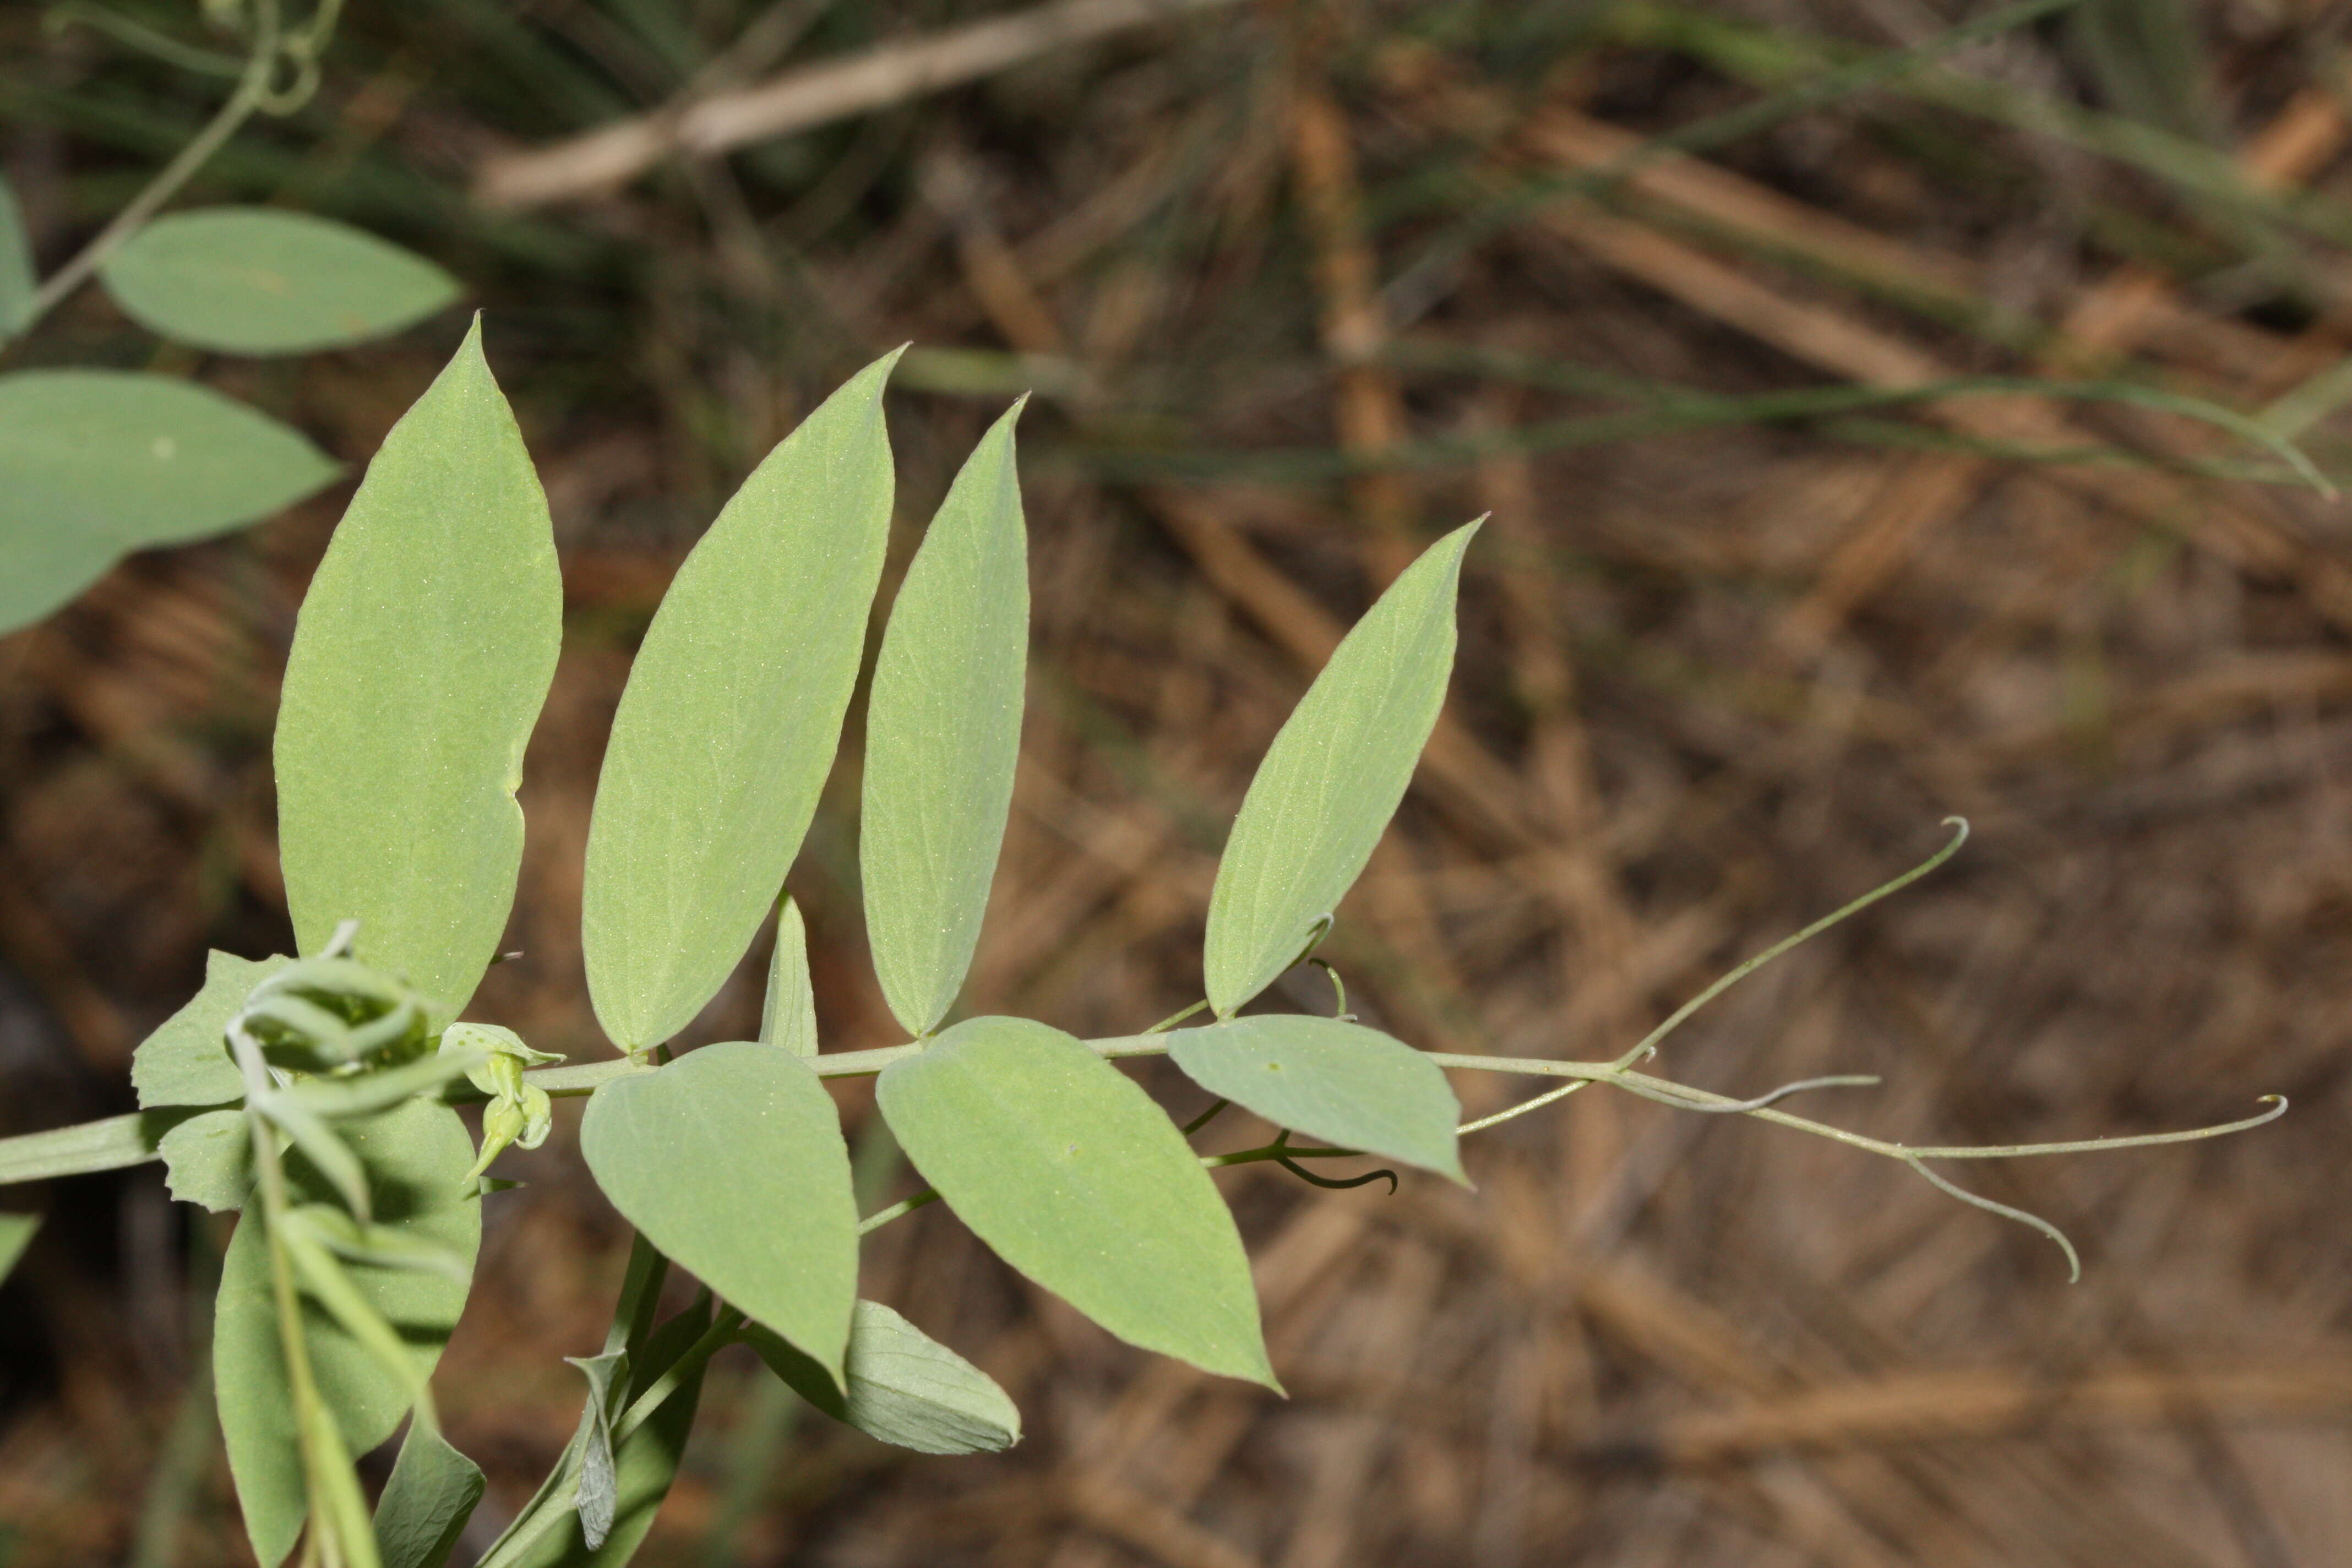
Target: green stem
x=716, y=1337
x=251, y=92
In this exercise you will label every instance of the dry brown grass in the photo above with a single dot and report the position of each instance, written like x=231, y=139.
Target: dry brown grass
x=1712, y=684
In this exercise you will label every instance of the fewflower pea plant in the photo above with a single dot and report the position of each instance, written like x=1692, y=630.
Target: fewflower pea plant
x=316, y=1095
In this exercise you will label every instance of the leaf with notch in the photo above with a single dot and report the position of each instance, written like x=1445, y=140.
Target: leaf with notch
x=414, y=1155
x=259, y=280
x=730, y=720
x=943, y=736
x=95, y=463
x=208, y=1160
x=427, y=1502
x=1067, y=1169
x=730, y=1161
x=1332, y=779
x=421, y=657
x=788, y=1015
x=1354, y=1087
x=185, y=1061
x=901, y=1386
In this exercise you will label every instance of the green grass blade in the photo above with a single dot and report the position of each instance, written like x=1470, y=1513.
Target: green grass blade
x=1332, y=779
x=943, y=736
x=16, y=1235
x=731, y=718
x=18, y=281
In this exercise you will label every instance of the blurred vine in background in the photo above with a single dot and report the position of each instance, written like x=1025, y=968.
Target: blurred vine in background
x=95, y=463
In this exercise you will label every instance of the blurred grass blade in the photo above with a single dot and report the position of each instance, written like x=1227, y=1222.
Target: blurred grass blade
x=18, y=281
x=413, y=1156
x=943, y=736
x=422, y=655
x=1067, y=1169
x=901, y=1387
x=730, y=720
x=733, y=1136
x=255, y=280
x=1332, y=779
x=425, y=1504
x=788, y=1013
x=1352, y=1087
x=185, y=1061
x=16, y=1235
x=97, y=463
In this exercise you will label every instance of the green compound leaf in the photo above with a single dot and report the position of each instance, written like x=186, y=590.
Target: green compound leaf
x=423, y=653
x=95, y=463
x=1353, y=1086
x=1063, y=1165
x=413, y=1156
x=731, y=717
x=257, y=280
x=185, y=1061
x=1332, y=779
x=943, y=736
x=644, y=1463
x=730, y=1161
x=18, y=282
x=902, y=1387
x=208, y=1160
x=427, y=1502
x=16, y=1235
x=788, y=1017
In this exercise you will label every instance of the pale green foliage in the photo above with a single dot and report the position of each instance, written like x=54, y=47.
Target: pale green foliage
x=17, y=282
x=731, y=718
x=208, y=1160
x=788, y=1011
x=393, y=721
x=413, y=1156
x=426, y=1501
x=16, y=1235
x=1070, y=1171
x=183, y=1062
x=97, y=463
x=258, y=281
x=645, y=1462
x=730, y=1161
x=1332, y=779
x=1355, y=1087
x=943, y=736
x=902, y=1387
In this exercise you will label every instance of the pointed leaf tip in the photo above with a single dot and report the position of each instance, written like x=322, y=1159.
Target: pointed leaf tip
x=943, y=736
x=1332, y=779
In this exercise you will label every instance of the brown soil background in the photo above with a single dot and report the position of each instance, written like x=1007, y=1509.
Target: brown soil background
x=1714, y=680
